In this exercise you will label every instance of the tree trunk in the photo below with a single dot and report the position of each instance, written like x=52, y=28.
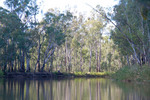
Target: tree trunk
x=90, y=58
x=144, y=59
x=51, y=64
x=97, y=67
x=132, y=45
x=23, y=61
x=5, y=66
x=12, y=65
x=100, y=50
x=18, y=63
x=81, y=59
x=20, y=59
x=5, y=63
x=46, y=58
x=75, y=59
x=9, y=65
x=57, y=63
x=135, y=54
x=28, y=63
x=69, y=61
x=15, y=65
x=22, y=69
x=39, y=55
x=42, y=69
x=66, y=55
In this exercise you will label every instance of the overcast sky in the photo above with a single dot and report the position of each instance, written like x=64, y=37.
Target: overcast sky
x=79, y=4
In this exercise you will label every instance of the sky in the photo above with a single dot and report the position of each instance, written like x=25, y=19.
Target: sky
x=78, y=5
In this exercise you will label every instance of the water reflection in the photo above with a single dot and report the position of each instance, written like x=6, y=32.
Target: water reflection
x=72, y=89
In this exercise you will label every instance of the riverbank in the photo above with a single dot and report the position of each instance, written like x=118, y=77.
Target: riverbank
x=127, y=74
x=54, y=75
x=133, y=73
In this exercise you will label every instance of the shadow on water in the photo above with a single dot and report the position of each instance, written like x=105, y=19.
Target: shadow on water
x=72, y=89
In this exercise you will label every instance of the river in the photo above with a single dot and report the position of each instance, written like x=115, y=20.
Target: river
x=72, y=89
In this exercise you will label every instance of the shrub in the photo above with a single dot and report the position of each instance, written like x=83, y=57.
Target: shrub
x=124, y=73
x=136, y=73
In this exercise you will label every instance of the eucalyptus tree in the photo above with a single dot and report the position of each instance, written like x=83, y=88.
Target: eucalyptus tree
x=24, y=11
x=134, y=34
x=54, y=34
x=92, y=28
x=11, y=34
x=75, y=45
x=77, y=41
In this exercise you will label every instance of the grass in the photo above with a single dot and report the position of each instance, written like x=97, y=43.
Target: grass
x=101, y=73
x=133, y=73
x=98, y=74
x=79, y=73
x=85, y=74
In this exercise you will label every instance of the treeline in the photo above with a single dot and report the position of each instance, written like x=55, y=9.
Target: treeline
x=61, y=41
x=65, y=42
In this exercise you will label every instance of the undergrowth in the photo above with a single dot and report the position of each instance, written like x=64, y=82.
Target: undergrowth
x=133, y=73
x=1, y=73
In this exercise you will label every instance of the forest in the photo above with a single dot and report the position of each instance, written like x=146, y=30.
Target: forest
x=66, y=42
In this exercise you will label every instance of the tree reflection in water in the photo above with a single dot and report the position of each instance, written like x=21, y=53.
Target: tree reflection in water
x=72, y=89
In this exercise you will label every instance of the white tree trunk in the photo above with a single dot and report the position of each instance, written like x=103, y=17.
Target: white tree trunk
x=28, y=63
x=90, y=58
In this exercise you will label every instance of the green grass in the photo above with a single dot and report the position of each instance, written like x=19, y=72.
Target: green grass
x=100, y=73
x=133, y=73
x=79, y=73
x=92, y=73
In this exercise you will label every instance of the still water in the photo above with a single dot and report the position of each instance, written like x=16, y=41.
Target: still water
x=72, y=89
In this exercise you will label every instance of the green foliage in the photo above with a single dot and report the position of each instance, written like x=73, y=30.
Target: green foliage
x=144, y=73
x=1, y=73
x=124, y=73
x=12, y=35
x=133, y=73
x=85, y=54
x=131, y=32
x=144, y=5
x=56, y=25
